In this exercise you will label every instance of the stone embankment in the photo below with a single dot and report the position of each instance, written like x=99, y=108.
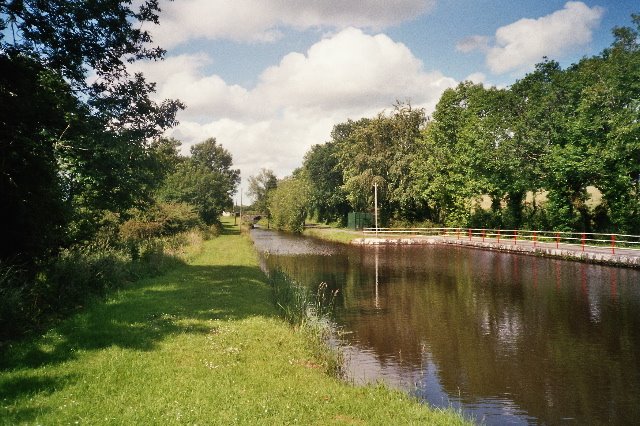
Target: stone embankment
x=600, y=255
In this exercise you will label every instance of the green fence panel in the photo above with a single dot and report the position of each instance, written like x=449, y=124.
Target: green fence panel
x=359, y=220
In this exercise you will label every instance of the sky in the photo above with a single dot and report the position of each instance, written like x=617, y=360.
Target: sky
x=270, y=78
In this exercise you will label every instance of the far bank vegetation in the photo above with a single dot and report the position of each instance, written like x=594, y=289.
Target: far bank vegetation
x=557, y=150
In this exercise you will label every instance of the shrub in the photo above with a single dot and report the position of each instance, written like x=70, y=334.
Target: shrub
x=28, y=300
x=13, y=292
x=60, y=285
x=150, y=242
x=160, y=220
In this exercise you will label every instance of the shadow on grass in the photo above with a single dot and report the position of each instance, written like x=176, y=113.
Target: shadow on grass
x=141, y=317
x=230, y=229
x=18, y=387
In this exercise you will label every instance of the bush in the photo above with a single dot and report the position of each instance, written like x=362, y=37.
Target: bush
x=162, y=219
x=13, y=291
x=60, y=286
x=147, y=244
x=403, y=223
x=29, y=300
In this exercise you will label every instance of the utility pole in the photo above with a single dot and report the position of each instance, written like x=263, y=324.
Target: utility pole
x=240, y=205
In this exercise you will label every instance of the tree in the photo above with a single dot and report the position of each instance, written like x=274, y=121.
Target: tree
x=343, y=136
x=288, y=205
x=164, y=157
x=215, y=158
x=88, y=142
x=381, y=151
x=260, y=186
x=321, y=168
x=33, y=105
x=446, y=172
x=546, y=101
x=608, y=125
x=74, y=38
x=205, y=180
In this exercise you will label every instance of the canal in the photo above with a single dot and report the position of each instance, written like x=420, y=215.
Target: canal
x=507, y=339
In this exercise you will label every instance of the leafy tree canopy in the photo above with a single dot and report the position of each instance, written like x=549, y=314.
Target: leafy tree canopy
x=76, y=125
x=259, y=187
x=205, y=180
x=288, y=204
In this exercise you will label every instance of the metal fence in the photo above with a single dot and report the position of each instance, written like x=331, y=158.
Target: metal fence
x=520, y=236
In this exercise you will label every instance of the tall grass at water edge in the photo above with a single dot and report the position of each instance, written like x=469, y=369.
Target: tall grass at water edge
x=310, y=313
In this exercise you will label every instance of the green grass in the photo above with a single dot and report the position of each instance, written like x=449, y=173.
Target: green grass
x=202, y=344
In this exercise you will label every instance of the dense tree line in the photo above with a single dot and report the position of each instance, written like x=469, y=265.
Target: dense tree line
x=72, y=146
x=80, y=135
x=86, y=180
x=519, y=157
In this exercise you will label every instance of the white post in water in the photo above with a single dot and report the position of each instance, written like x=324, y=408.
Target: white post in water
x=375, y=204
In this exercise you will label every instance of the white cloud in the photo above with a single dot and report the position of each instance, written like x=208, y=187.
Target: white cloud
x=182, y=77
x=296, y=102
x=262, y=21
x=524, y=42
x=350, y=70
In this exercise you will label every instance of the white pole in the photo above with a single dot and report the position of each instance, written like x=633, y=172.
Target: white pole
x=375, y=202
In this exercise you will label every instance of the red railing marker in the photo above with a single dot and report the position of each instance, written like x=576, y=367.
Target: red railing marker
x=534, y=238
x=483, y=235
x=557, y=239
x=515, y=237
x=613, y=244
x=582, y=240
x=469, y=234
x=498, y=236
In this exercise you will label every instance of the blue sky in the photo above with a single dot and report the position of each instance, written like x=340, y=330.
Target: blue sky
x=269, y=79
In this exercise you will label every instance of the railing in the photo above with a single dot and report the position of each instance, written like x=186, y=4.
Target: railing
x=584, y=240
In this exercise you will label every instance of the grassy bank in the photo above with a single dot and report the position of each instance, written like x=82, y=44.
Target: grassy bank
x=201, y=344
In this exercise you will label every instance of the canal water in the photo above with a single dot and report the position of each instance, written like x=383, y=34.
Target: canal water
x=507, y=339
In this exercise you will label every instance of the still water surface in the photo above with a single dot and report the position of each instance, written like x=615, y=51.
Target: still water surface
x=508, y=339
